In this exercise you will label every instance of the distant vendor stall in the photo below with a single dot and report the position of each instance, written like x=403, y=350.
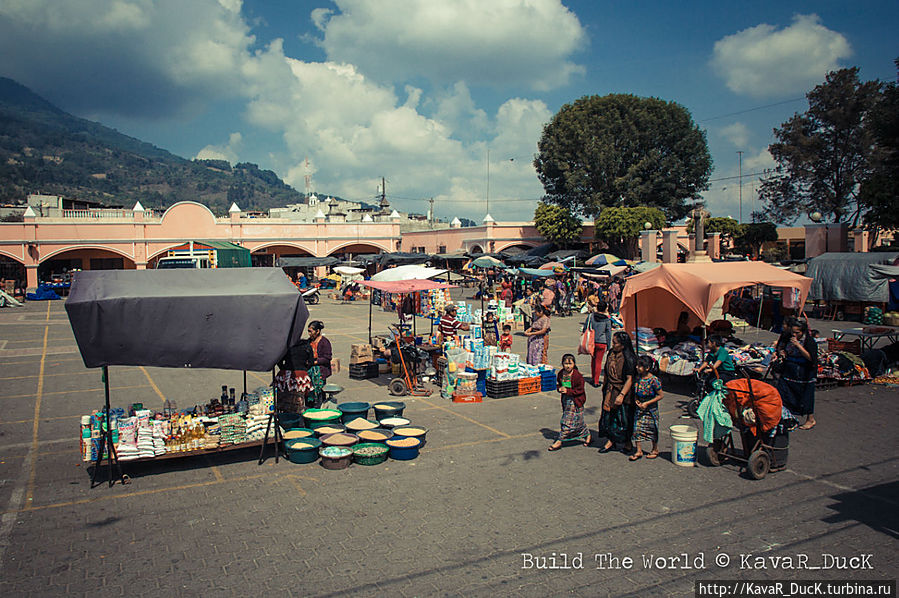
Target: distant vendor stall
x=848, y=282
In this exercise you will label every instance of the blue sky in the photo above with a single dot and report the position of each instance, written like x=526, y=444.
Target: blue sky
x=419, y=91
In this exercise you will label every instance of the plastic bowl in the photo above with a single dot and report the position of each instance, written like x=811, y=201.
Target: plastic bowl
x=387, y=435
x=395, y=409
x=352, y=410
x=328, y=416
x=298, y=433
x=339, y=439
x=290, y=420
x=407, y=432
x=303, y=450
x=380, y=453
x=339, y=460
x=354, y=429
x=330, y=428
x=399, y=423
x=403, y=453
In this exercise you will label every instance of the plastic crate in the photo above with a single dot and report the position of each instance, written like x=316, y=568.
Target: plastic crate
x=528, y=385
x=364, y=371
x=497, y=389
x=547, y=384
x=481, y=386
x=467, y=398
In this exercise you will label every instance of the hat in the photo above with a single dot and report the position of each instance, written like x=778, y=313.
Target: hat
x=450, y=308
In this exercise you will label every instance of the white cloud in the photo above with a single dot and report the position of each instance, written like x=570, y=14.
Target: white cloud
x=227, y=152
x=736, y=133
x=128, y=58
x=501, y=42
x=764, y=61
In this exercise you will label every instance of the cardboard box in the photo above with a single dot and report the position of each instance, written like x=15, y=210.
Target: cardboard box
x=361, y=352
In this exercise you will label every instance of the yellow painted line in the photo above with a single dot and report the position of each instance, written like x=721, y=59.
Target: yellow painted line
x=215, y=470
x=466, y=418
x=28, y=421
x=29, y=495
x=70, y=374
x=65, y=392
x=53, y=360
x=152, y=384
x=138, y=493
x=296, y=484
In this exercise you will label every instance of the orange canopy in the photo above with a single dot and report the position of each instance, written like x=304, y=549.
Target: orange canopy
x=662, y=293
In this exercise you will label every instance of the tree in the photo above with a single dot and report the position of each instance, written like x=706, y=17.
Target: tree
x=557, y=225
x=880, y=193
x=620, y=227
x=623, y=151
x=823, y=153
x=754, y=235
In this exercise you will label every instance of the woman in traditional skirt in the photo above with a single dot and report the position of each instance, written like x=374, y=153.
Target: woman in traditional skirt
x=570, y=385
x=798, y=354
x=538, y=336
x=617, y=420
x=647, y=395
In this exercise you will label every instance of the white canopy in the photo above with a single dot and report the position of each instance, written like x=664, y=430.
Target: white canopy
x=348, y=270
x=410, y=272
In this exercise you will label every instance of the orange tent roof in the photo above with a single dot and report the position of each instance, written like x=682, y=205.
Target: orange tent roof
x=662, y=293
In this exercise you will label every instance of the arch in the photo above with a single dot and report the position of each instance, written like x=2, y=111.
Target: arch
x=180, y=206
x=523, y=245
x=247, y=243
x=69, y=248
x=476, y=249
x=353, y=244
x=157, y=254
x=11, y=256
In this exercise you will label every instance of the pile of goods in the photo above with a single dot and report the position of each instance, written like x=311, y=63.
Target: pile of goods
x=364, y=441
x=144, y=434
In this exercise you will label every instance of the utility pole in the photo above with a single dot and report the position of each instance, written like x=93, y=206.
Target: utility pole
x=431, y=217
x=740, y=155
x=488, y=180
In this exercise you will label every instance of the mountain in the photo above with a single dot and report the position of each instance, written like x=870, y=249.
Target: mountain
x=46, y=150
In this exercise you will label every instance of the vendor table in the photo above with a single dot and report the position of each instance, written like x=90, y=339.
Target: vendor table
x=869, y=336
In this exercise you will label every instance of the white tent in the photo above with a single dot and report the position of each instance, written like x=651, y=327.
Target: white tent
x=348, y=270
x=410, y=272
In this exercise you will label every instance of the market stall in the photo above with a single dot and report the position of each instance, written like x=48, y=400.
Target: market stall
x=847, y=282
x=655, y=300
x=239, y=319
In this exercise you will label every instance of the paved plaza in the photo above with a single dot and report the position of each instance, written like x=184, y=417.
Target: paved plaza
x=474, y=515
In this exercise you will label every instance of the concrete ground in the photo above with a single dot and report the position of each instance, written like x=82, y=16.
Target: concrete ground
x=483, y=501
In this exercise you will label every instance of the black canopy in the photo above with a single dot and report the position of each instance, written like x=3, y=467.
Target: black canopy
x=223, y=318
x=306, y=262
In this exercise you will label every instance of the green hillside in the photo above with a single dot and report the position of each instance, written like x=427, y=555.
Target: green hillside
x=46, y=150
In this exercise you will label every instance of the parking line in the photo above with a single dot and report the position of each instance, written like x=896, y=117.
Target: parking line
x=466, y=418
x=65, y=392
x=29, y=495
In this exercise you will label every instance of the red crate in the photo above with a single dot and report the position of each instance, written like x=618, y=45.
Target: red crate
x=527, y=386
x=465, y=398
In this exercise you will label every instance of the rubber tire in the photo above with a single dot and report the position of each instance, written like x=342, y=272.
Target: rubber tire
x=693, y=408
x=759, y=465
x=398, y=388
x=712, y=456
x=312, y=300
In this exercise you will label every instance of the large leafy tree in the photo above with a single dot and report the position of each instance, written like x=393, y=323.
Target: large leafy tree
x=557, y=224
x=753, y=236
x=623, y=151
x=823, y=153
x=620, y=227
x=880, y=193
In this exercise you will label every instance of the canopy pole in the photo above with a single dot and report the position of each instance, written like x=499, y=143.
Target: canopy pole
x=636, y=328
x=106, y=446
x=273, y=422
x=371, y=299
x=244, y=382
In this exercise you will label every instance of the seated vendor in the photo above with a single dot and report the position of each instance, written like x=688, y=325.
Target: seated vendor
x=718, y=359
x=683, y=330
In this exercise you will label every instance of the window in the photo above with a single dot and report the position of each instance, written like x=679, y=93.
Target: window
x=441, y=249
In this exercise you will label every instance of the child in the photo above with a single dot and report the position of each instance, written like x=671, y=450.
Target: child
x=491, y=334
x=505, y=341
x=718, y=360
x=571, y=388
x=647, y=397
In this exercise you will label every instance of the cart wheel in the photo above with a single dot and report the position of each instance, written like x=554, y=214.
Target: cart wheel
x=712, y=455
x=840, y=316
x=693, y=408
x=759, y=464
x=398, y=387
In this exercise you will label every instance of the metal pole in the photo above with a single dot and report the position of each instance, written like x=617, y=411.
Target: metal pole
x=371, y=298
x=636, y=328
x=740, y=154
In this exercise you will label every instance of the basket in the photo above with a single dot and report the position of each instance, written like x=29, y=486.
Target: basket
x=528, y=386
x=379, y=457
x=854, y=347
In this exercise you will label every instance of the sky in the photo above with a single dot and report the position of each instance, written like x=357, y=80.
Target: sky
x=445, y=100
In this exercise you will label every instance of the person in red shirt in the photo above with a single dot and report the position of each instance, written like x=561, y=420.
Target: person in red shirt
x=571, y=388
x=505, y=341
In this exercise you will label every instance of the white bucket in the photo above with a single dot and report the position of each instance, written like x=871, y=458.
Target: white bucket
x=683, y=445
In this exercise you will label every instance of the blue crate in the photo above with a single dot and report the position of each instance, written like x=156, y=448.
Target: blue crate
x=481, y=386
x=547, y=385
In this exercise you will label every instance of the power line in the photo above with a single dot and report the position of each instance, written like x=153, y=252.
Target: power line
x=751, y=109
